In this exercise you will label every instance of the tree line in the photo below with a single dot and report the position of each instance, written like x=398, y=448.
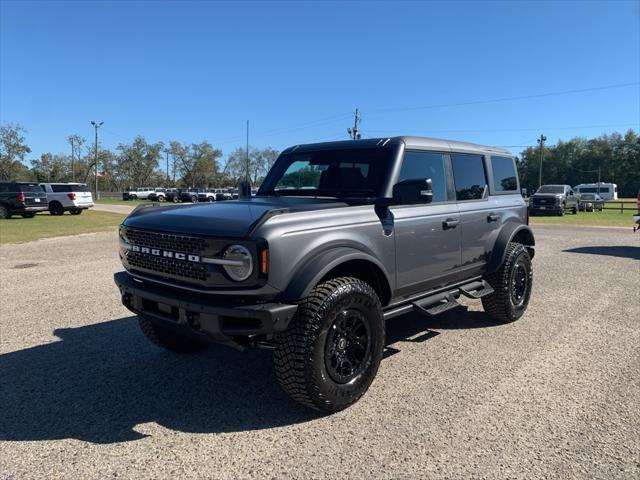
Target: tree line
x=135, y=164
x=199, y=165
x=577, y=161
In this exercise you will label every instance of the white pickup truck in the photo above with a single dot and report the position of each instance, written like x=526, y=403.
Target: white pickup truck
x=71, y=197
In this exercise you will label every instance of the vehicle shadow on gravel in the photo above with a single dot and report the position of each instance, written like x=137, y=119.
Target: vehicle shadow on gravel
x=100, y=381
x=611, y=250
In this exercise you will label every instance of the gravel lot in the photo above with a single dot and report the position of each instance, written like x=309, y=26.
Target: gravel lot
x=555, y=395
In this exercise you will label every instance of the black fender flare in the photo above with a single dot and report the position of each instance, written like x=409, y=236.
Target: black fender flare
x=311, y=272
x=507, y=234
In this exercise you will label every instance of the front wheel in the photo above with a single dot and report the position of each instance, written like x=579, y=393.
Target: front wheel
x=512, y=285
x=331, y=351
x=575, y=210
x=194, y=199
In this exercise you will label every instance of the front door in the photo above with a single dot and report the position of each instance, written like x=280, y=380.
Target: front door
x=427, y=235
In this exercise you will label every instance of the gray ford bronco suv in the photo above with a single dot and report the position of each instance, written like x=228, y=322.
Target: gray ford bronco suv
x=340, y=237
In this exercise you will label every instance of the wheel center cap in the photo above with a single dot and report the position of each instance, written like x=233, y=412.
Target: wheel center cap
x=342, y=343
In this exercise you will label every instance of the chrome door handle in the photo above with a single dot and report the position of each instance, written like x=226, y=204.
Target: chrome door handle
x=493, y=217
x=450, y=223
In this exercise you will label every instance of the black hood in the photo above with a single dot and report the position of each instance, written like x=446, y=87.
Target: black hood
x=230, y=218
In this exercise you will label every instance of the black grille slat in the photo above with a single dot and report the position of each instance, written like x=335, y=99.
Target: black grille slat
x=167, y=266
x=165, y=241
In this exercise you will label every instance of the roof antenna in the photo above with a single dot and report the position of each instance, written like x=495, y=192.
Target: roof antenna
x=354, y=133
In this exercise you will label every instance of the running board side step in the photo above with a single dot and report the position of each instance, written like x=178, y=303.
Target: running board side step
x=473, y=291
x=427, y=307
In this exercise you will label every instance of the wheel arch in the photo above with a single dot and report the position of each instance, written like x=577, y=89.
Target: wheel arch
x=510, y=232
x=339, y=262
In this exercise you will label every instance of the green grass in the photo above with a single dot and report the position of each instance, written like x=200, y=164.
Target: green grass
x=119, y=201
x=18, y=230
x=606, y=218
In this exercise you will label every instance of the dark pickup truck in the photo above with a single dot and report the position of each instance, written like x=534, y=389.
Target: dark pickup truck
x=554, y=199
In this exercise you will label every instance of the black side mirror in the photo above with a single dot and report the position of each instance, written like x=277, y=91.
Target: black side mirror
x=408, y=192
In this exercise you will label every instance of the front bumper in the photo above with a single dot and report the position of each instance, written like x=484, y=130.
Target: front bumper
x=202, y=316
x=545, y=208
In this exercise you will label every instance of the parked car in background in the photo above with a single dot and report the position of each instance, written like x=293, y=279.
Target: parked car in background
x=141, y=193
x=222, y=194
x=189, y=195
x=590, y=202
x=554, y=199
x=67, y=197
x=21, y=198
x=158, y=195
x=206, y=195
x=607, y=191
x=173, y=194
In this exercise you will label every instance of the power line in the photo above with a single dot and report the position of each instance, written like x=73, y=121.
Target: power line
x=504, y=99
x=487, y=130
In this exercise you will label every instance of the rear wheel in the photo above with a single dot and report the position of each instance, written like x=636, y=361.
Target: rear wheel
x=55, y=208
x=331, y=351
x=4, y=212
x=511, y=284
x=194, y=199
x=168, y=339
x=161, y=198
x=28, y=215
x=575, y=209
x=75, y=211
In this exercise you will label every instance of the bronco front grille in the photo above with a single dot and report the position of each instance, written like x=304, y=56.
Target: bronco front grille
x=161, y=265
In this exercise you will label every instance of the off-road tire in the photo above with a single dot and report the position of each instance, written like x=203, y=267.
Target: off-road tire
x=168, y=339
x=56, y=208
x=28, y=215
x=4, y=212
x=300, y=356
x=133, y=197
x=161, y=198
x=500, y=305
x=194, y=199
x=575, y=210
x=75, y=211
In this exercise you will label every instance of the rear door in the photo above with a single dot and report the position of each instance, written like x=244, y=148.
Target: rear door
x=427, y=237
x=478, y=221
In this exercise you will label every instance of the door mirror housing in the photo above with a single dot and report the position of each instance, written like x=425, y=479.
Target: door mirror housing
x=409, y=192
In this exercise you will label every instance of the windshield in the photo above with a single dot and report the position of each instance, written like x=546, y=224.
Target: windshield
x=551, y=189
x=329, y=173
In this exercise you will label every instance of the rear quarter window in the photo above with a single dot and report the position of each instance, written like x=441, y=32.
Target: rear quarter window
x=30, y=187
x=504, y=174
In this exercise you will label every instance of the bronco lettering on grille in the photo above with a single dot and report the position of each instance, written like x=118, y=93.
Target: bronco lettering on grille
x=164, y=253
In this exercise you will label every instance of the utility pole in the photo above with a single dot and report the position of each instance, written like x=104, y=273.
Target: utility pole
x=166, y=151
x=73, y=156
x=354, y=133
x=246, y=175
x=541, y=141
x=96, y=126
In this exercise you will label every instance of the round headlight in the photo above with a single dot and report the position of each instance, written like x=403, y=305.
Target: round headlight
x=242, y=265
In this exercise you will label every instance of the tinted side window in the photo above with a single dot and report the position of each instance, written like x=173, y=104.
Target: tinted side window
x=504, y=174
x=61, y=188
x=469, y=176
x=4, y=187
x=418, y=165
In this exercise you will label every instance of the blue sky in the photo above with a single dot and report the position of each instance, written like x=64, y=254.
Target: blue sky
x=193, y=71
